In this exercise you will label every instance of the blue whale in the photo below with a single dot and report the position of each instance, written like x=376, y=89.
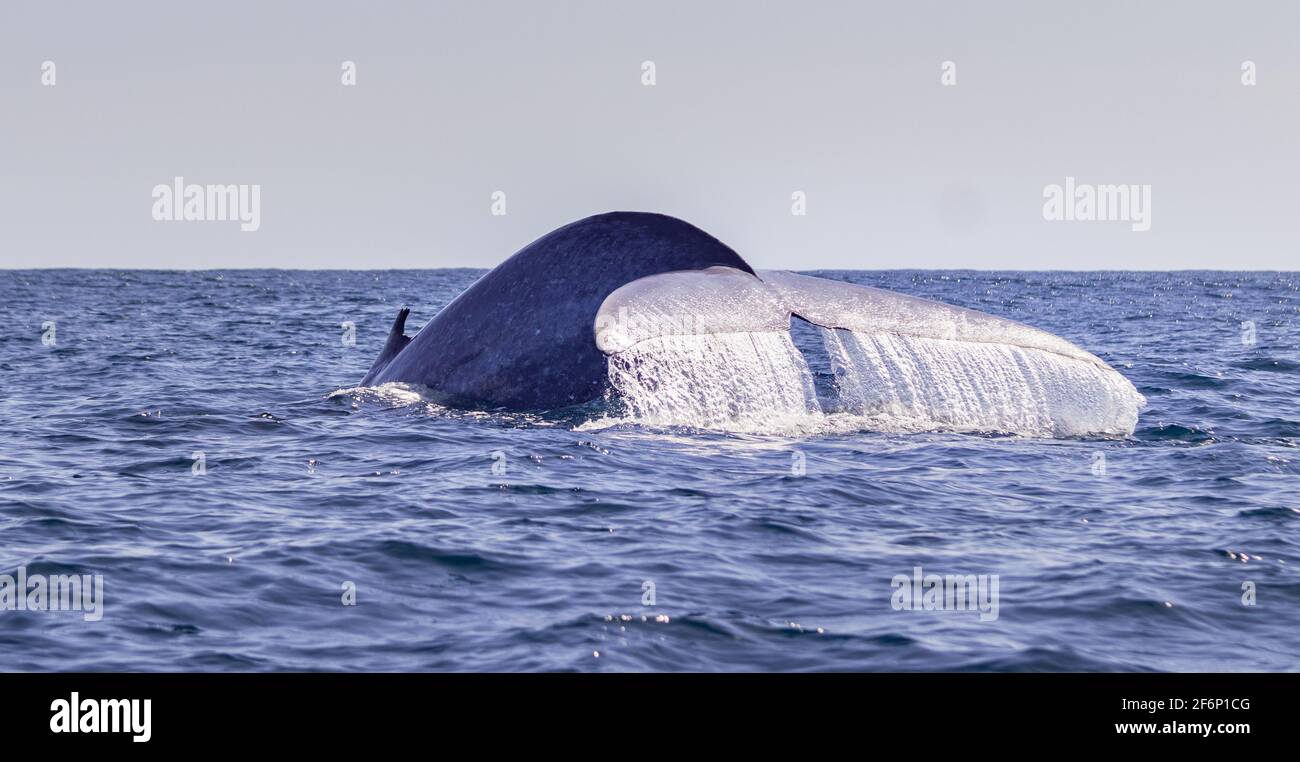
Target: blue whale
x=683, y=332
x=521, y=336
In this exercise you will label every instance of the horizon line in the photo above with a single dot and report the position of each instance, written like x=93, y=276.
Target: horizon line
x=5, y=268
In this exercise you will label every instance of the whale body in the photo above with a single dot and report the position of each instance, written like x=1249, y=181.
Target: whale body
x=684, y=331
x=521, y=336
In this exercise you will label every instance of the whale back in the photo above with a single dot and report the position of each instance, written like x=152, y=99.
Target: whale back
x=522, y=335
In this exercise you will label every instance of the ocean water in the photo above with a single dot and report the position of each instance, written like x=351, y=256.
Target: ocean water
x=197, y=439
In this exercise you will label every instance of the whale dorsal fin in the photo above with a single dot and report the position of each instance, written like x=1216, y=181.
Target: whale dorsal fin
x=399, y=326
x=397, y=341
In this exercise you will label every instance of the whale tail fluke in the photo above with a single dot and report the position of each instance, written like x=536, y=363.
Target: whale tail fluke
x=397, y=341
x=715, y=348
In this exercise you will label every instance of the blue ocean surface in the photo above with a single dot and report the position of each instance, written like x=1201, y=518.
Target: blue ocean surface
x=197, y=439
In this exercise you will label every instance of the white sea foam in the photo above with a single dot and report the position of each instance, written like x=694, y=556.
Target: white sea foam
x=752, y=382
x=420, y=399
x=388, y=395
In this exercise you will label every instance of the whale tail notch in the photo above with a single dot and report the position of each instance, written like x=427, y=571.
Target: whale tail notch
x=397, y=341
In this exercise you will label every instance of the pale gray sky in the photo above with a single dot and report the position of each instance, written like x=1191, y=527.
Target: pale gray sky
x=753, y=101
